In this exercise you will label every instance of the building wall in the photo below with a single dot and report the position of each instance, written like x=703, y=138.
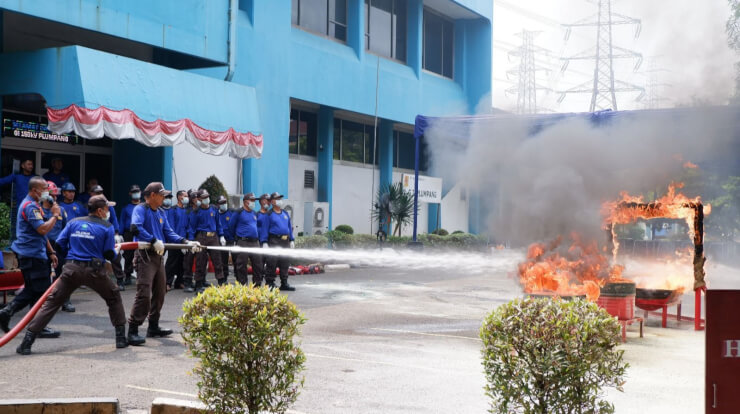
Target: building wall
x=299, y=196
x=455, y=209
x=191, y=167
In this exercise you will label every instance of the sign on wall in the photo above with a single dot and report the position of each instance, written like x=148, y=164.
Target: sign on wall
x=430, y=188
x=34, y=130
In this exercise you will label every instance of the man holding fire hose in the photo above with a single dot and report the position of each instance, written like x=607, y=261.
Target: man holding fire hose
x=208, y=232
x=34, y=252
x=277, y=232
x=88, y=242
x=47, y=203
x=244, y=225
x=149, y=224
x=189, y=257
x=124, y=232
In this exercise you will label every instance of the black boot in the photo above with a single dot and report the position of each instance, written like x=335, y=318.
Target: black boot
x=222, y=281
x=47, y=333
x=68, y=307
x=285, y=287
x=121, y=285
x=127, y=280
x=121, y=341
x=25, y=347
x=5, y=315
x=154, y=330
x=133, y=335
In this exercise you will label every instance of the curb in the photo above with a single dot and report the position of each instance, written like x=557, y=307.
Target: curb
x=336, y=267
x=60, y=405
x=173, y=406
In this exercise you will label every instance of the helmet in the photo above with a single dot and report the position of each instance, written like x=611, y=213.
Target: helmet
x=53, y=189
x=68, y=187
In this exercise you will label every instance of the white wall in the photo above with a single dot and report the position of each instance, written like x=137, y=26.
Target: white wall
x=455, y=210
x=352, y=196
x=297, y=195
x=191, y=167
x=422, y=223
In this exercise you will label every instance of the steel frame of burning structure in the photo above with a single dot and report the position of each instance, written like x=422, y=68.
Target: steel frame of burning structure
x=627, y=212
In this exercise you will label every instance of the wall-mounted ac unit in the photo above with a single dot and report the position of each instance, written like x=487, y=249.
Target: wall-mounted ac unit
x=290, y=209
x=235, y=201
x=315, y=218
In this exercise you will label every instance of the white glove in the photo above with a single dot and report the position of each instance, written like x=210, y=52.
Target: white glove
x=195, y=246
x=118, y=238
x=292, y=245
x=159, y=247
x=222, y=240
x=265, y=246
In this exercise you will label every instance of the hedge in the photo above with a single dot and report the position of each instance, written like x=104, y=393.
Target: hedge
x=340, y=240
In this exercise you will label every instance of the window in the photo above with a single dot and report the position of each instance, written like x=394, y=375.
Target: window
x=404, y=149
x=327, y=17
x=303, y=134
x=353, y=142
x=438, y=43
x=385, y=28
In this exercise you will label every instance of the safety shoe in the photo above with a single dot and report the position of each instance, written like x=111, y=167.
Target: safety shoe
x=25, y=347
x=5, y=315
x=48, y=333
x=154, y=330
x=121, y=285
x=285, y=287
x=121, y=341
x=68, y=307
x=133, y=335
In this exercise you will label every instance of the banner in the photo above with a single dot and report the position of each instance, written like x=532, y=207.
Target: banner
x=430, y=188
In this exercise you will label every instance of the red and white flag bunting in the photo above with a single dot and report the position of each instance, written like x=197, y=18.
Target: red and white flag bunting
x=104, y=122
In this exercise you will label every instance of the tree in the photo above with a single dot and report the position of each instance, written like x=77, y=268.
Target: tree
x=393, y=204
x=215, y=188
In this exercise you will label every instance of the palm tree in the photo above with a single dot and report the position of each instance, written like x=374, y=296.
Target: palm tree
x=393, y=204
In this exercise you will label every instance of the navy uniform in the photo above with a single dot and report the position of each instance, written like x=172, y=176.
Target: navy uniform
x=72, y=207
x=34, y=252
x=245, y=229
x=88, y=242
x=207, y=230
x=177, y=216
x=53, y=234
x=149, y=224
x=225, y=217
x=115, y=263
x=189, y=257
x=277, y=232
x=124, y=230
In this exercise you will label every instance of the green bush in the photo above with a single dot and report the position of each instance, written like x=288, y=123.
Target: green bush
x=4, y=225
x=440, y=232
x=458, y=232
x=311, y=242
x=245, y=340
x=215, y=188
x=551, y=356
x=345, y=228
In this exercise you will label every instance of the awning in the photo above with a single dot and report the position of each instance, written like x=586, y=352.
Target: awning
x=97, y=94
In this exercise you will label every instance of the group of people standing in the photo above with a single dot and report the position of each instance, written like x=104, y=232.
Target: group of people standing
x=266, y=225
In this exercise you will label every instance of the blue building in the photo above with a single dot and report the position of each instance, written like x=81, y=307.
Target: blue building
x=313, y=77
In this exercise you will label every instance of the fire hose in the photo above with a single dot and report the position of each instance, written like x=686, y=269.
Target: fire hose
x=31, y=313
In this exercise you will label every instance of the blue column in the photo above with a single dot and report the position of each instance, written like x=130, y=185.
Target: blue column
x=326, y=156
x=434, y=212
x=167, y=168
x=414, y=43
x=356, y=26
x=249, y=177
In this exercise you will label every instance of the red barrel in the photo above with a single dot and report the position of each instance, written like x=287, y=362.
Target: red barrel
x=622, y=307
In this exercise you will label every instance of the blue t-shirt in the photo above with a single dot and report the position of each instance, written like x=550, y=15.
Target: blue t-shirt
x=83, y=198
x=225, y=219
x=178, y=218
x=125, y=223
x=58, y=179
x=87, y=238
x=113, y=219
x=73, y=209
x=244, y=224
x=204, y=219
x=20, y=182
x=153, y=225
x=278, y=224
x=58, y=226
x=263, y=222
x=29, y=242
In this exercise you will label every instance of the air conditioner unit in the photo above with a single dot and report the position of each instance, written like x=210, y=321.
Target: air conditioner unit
x=288, y=207
x=315, y=218
x=235, y=201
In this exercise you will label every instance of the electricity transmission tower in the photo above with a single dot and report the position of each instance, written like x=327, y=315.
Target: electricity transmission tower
x=654, y=87
x=526, y=73
x=604, y=87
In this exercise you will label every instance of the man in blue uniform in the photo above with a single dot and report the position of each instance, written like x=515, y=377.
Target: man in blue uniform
x=55, y=174
x=189, y=256
x=92, y=183
x=244, y=225
x=278, y=233
x=177, y=215
x=113, y=219
x=47, y=203
x=224, y=217
x=88, y=242
x=73, y=208
x=125, y=230
x=34, y=251
x=208, y=232
x=149, y=224
x=20, y=188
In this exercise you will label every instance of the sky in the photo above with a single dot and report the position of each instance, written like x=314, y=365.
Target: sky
x=683, y=43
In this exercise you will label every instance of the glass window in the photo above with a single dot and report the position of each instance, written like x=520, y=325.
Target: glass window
x=337, y=139
x=303, y=134
x=369, y=144
x=438, y=44
x=327, y=17
x=405, y=150
x=353, y=141
x=385, y=28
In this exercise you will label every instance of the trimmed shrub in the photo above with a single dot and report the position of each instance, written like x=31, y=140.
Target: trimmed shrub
x=440, y=232
x=311, y=242
x=458, y=232
x=215, y=188
x=4, y=225
x=551, y=356
x=345, y=228
x=245, y=340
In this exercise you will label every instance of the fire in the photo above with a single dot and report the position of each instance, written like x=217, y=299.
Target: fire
x=674, y=272
x=578, y=269
x=691, y=165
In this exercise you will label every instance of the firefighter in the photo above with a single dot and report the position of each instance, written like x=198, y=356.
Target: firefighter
x=208, y=232
x=73, y=207
x=115, y=264
x=177, y=215
x=246, y=233
x=189, y=257
x=124, y=230
x=277, y=232
x=225, y=216
x=46, y=204
x=88, y=242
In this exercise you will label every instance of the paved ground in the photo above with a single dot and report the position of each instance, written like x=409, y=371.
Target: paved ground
x=376, y=341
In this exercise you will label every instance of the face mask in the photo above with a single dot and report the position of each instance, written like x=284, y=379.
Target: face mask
x=136, y=196
x=206, y=202
x=197, y=203
x=107, y=215
x=222, y=208
x=167, y=202
x=279, y=203
x=185, y=200
x=250, y=205
x=44, y=195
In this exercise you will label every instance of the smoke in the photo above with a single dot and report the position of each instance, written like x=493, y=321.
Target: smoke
x=541, y=177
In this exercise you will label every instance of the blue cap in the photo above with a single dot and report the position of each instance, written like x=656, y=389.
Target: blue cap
x=68, y=187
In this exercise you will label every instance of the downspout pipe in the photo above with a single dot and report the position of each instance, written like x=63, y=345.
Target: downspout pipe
x=231, y=42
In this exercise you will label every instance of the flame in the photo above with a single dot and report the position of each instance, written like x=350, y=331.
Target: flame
x=578, y=269
x=691, y=165
x=672, y=273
